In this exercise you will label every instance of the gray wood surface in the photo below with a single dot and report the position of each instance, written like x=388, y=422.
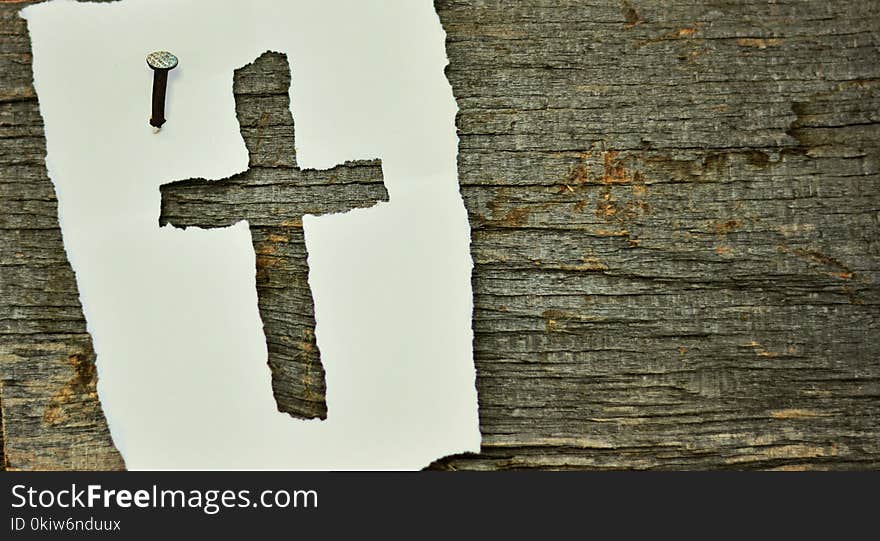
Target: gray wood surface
x=675, y=213
x=52, y=418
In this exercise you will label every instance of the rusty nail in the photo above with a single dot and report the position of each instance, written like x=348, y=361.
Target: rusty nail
x=161, y=62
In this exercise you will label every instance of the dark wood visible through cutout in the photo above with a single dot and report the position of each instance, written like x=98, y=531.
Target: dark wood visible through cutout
x=273, y=195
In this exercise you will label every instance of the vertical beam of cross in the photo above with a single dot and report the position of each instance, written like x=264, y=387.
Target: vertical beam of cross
x=273, y=195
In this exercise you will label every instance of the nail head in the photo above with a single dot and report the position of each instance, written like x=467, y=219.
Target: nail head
x=162, y=60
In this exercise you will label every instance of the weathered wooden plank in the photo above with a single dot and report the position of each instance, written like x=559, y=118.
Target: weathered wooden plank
x=675, y=212
x=52, y=418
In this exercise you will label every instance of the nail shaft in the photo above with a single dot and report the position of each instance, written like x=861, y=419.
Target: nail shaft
x=160, y=83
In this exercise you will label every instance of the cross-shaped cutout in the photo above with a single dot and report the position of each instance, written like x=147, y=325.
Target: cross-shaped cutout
x=273, y=195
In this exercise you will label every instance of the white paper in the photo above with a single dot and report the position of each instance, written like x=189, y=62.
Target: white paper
x=181, y=361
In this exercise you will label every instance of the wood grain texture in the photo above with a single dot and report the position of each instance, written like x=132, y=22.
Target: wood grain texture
x=273, y=195
x=675, y=213
x=52, y=418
